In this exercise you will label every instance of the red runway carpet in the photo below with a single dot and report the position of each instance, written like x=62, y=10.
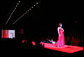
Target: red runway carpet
x=66, y=49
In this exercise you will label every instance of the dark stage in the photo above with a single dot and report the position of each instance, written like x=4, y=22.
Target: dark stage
x=32, y=28
x=13, y=47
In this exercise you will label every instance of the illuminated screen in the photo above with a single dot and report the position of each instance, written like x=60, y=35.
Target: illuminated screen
x=8, y=34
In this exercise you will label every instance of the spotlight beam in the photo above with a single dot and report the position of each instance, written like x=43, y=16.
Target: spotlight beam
x=12, y=12
x=20, y=17
x=25, y=13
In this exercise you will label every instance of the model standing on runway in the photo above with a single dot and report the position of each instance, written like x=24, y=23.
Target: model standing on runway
x=61, y=40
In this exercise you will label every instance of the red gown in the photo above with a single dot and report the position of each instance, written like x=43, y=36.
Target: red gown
x=60, y=41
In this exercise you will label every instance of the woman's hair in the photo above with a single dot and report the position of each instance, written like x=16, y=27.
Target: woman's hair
x=59, y=24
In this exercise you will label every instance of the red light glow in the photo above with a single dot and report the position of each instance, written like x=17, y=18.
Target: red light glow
x=33, y=43
x=66, y=49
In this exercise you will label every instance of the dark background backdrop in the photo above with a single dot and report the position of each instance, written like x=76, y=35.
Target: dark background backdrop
x=42, y=21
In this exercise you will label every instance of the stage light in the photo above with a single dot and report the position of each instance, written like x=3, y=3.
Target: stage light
x=12, y=12
x=19, y=1
x=29, y=8
x=24, y=13
x=34, y=5
x=37, y=3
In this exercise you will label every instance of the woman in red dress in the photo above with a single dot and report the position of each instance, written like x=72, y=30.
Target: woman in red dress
x=60, y=41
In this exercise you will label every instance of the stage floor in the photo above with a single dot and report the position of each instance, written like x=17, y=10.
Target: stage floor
x=66, y=49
